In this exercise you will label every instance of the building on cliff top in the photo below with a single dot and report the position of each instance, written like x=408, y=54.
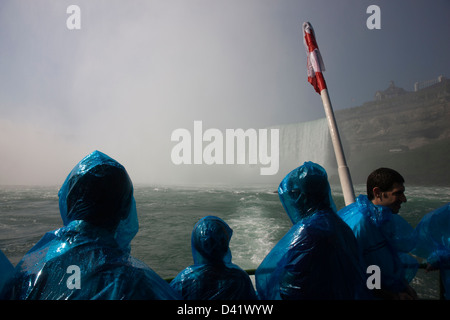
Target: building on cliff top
x=391, y=92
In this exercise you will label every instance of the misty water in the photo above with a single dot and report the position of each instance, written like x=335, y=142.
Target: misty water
x=167, y=215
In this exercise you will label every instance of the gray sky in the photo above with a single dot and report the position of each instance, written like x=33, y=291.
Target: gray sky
x=138, y=70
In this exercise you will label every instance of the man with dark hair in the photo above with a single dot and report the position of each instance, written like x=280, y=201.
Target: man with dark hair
x=384, y=238
x=385, y=187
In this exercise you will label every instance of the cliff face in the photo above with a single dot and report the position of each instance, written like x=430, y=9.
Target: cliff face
x=410, y=133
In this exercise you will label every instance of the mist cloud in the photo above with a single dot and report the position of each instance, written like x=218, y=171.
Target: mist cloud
x=138, y=70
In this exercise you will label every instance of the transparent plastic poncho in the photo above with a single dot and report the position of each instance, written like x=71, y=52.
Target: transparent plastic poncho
x=318, y=257
x=384, y=239
x=6, y=271
x=213, y=276
x=433, y=242
x=89, y=257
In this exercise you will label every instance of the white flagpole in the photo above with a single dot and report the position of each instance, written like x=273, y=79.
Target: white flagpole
x=343, y=171
x=315, y=67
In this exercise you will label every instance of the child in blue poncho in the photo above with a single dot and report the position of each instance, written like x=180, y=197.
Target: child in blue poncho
x=213, y=276
x=89, y=257
x=318, y=257
x=384, y=238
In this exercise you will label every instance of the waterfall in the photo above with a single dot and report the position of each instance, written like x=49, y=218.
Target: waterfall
x=297, y=143
x=306, y=141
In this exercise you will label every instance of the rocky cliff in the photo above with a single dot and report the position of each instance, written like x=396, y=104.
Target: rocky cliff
x=409, y=132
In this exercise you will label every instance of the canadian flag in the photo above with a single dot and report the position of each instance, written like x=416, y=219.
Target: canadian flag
x=315, y=64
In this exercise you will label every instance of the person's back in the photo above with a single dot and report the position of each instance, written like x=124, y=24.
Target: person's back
x=321, y=262
x=317, y=258
x=91, y=269
x=89, y=257
x=6, y=271
x=214, y=282
x=213, y=276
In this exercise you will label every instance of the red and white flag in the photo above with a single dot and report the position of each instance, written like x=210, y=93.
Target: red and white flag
x=315, y=64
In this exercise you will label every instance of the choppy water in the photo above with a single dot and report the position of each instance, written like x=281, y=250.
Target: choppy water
x=168, y=214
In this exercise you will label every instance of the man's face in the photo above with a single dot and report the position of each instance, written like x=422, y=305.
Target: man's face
x=392, y=198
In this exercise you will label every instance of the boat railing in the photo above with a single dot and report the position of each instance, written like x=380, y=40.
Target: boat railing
x=251, y=272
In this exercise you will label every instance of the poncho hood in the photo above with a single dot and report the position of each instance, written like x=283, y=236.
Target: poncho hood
x=99, y=191
x=210, y=241
x=305, y=190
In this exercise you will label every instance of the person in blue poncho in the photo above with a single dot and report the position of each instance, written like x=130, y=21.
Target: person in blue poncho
x=318, y=257
x=433, y=243
x=6, y=271
x=384, y=238
x=89, y=257
x=213, y=276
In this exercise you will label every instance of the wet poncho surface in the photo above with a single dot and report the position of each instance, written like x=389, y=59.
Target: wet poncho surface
x=317, y=258
x=6, y=270
x=213, y=276
x=433, y=242
x=384, y=239
x=88, y=258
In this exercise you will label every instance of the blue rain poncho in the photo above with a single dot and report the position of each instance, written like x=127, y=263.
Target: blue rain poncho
x=318, y=257
x=433, y=242
x=89, y=257
x=213, y=276
x=6, y=271
x=384, y=239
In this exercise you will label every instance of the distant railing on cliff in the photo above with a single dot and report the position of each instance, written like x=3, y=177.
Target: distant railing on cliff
x=427, y=83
